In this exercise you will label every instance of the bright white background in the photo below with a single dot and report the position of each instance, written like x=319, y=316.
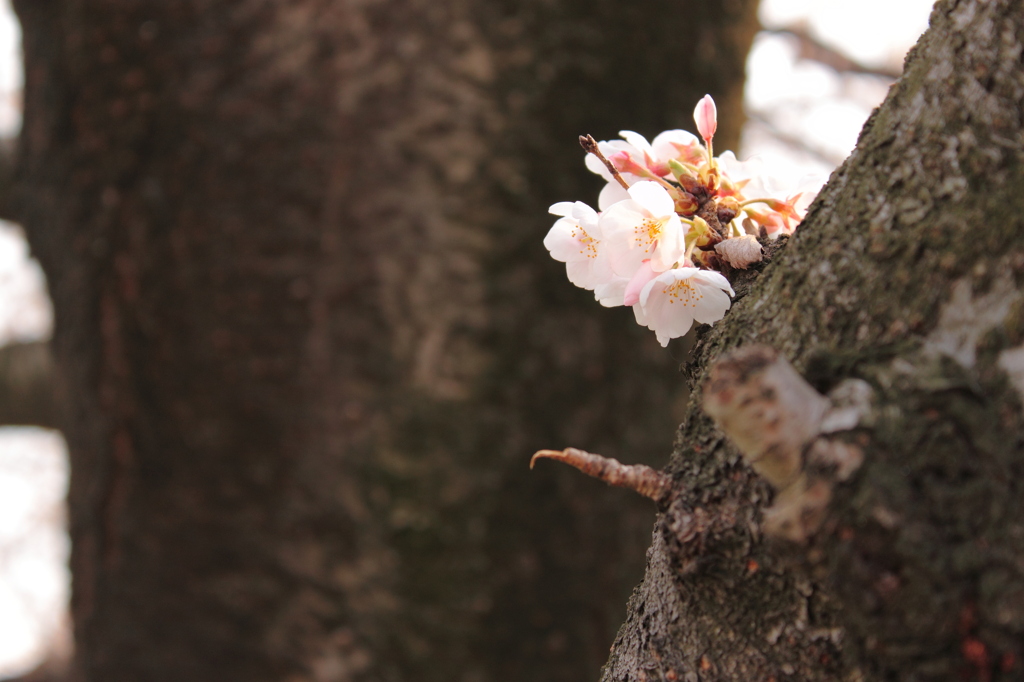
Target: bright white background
x=805, y=118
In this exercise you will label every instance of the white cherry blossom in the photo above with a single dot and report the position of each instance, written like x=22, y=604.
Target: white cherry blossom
x=668, y=145
x=575, y=239
x=757, y=183
x=643, y=227
x=671, y=302
x=650, y=247
x=651, y=156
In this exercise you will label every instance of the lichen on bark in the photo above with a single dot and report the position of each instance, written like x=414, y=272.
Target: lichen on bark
x=906, y=274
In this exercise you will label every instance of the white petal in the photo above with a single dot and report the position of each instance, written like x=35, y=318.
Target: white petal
x=560, y=240
x=641, y=316
x=583, y=213
x=612, y=193
x=664, y=144
x=618, y=226
x=653, y=197
x=590, y=273
x=610, y=293
x=595, y=165
x=671, y=245
x=712, y=305
x=715, y=279
x=740, y=170
x=638, y=141
x=562, y=208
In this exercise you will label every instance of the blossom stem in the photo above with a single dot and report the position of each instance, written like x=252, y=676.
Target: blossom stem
x=689, y=250
x=664, y=183
x=589, y=145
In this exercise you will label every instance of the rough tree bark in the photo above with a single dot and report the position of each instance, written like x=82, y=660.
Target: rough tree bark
x=309, y=337
x=905, y=278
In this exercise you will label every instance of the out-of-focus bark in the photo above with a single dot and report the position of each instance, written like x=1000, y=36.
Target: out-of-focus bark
x=310, y=337
x=905, y=279
x=28, y=395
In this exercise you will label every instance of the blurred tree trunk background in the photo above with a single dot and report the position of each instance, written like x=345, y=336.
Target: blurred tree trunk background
x=307, y=335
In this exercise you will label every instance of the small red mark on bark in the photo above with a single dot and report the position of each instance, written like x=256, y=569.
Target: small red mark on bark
x=1009, y=662
x=845, y=533
x=705, y=664
x=752, y=566
x=671, y=676
x=977, y=655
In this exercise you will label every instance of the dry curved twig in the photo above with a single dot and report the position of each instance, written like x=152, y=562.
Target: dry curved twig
x=636, y=477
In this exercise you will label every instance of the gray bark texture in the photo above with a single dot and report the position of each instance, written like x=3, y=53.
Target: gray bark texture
x=906, y=275
x=308, y=337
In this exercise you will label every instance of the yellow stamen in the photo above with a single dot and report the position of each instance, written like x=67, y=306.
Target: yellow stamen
x=684, y=292
x=588, y=243
x=648, y=232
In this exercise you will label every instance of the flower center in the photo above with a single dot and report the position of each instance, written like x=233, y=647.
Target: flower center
x=647, y=232
x=588, y=245
x=683, y=292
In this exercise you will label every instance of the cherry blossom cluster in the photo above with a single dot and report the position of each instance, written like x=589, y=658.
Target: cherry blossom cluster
x=672, y=218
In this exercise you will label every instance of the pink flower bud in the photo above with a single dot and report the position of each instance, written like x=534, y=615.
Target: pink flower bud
x=706, y=116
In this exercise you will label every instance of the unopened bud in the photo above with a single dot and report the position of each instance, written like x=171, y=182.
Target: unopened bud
x=701, y=226
x=706, y=117
x=728, y=208
x=679, y=170
x=698, y=233
x=686, y=204
x=691, y=185
x=711, y=178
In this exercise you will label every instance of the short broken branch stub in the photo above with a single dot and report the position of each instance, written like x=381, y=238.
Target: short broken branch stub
x=637, y=477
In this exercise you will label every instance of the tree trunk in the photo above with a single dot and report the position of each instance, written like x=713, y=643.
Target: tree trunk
x=904, y=283
x=27, y=391
x=309, y=336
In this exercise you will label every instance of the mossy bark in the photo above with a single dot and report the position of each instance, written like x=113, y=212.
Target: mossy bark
x=906, y=274
x=309, y=337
